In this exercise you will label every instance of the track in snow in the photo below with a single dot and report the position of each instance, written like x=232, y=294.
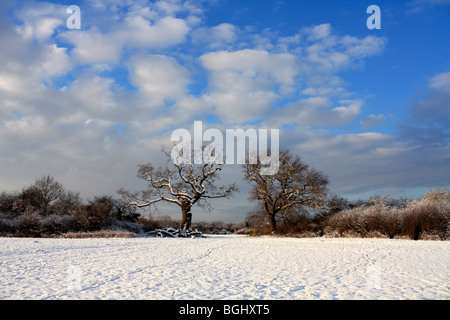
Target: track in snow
x=223, y=267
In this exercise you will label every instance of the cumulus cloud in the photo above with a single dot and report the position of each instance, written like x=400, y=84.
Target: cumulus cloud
x=332, y=53
x=215, y=37
x=41, y=19
x=31, y=62
x=165, y=32
x=94, y=46
x=95, y=122
x=415, y=155
x=318, y=32
x=244, y=83
x=158, y=77
x=87, y=125
x=441, y=82
x=316, y=112
x=321, y=49
x=29, y=68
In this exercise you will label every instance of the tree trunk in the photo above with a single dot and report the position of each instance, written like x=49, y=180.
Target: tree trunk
x=186, y=216
x=272, y=223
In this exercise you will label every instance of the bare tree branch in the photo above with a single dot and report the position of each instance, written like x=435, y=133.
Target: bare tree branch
x=184, y=184
x=295, y=185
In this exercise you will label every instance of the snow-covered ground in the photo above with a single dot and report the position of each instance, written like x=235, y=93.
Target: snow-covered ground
x=223, y=267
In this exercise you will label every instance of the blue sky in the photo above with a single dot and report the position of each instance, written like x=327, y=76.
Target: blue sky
x=368, y=107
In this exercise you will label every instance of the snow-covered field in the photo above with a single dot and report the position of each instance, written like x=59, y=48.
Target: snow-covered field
x=223, y=267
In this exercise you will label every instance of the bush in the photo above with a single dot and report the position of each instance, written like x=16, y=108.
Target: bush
x=6, y=226
x=56, y=224
x=381, y=219
x=94, y=216
x=7, y=201
x=29, y=225
x=428, y=218
x=260, y=230
x=149, y=224
x=22, y=213
x=294, y=225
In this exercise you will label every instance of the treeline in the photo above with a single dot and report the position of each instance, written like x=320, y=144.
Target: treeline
x=427, y=218
x=48, y=209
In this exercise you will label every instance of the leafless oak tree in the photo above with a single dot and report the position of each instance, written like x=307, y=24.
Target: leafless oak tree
x=295, y=185
x=183, y=184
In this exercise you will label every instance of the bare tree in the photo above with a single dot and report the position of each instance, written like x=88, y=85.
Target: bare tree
x=294, y=186
x=43, y=194
x=183, y=184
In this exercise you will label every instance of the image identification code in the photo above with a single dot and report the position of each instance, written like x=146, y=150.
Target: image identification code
x=235, y=309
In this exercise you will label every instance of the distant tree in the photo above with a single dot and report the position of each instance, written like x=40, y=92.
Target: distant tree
x=294, y=186
x=336, y=204
x=7, y=201
x=46, y=196
x=116, y=208
x=41, y=195
x=67, y=203
x=183, y=184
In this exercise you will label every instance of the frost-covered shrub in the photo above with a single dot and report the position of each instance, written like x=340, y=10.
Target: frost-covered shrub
x=382, y=219
x=346, y=221
x=428, y=217
x=56, y=224
x=7, y=201
x=28, y=225
x=367, y=221
x=421, y=219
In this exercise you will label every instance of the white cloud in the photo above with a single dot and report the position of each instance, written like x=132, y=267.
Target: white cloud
x=55, y=62
x=441, y=82
x=318, y=32
x=30, y=65
x=322, y=50
x=243, y=84
x=41, y=19
x=25, y=127
x=92, y=46
x=356, y=163
x=280, y=67
x=46, y=27
x=415, y=155
x=348, y=111
x=158, y=77
x=93, y=96
x=129, y=25
x=361, y=48
x=94, y=126
x=215, y=37
x=316, y=111
x=139, y=32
